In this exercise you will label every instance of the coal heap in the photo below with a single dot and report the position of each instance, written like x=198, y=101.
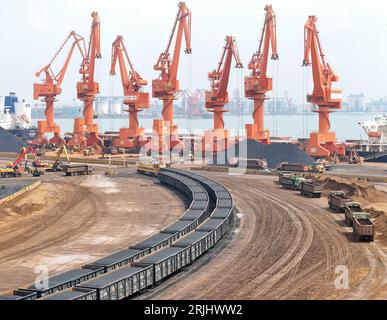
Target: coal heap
x=9, y=142
x=273, y=153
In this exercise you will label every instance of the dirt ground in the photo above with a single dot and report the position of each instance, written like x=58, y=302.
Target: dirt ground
x=70, y=221
x=284, y=246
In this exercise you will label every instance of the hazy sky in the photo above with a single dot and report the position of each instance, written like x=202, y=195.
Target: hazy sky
x=353, y=33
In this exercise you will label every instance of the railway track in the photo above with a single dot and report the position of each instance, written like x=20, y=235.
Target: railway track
x=151, y=261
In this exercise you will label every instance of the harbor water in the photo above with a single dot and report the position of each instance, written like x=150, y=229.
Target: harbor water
x=346, y=125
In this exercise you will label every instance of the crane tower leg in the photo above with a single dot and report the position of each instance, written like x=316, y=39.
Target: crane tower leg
x=91, y=127
x=323, y=143
x=48, y=126
x=129, y=137
x=257, y=130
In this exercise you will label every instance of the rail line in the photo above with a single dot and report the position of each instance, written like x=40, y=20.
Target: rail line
x=132, y=271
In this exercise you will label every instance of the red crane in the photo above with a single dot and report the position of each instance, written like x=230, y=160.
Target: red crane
x=323, y=142
x=52, y=87
x=258, y=83
x=132, y=84
x=87, y=89
x=217, y=98
x=167, y=86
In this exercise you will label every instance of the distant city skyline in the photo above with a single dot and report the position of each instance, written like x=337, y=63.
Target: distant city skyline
x=354, y=40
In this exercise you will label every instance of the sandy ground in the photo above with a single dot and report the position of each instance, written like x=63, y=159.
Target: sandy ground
x=285, y=246
x=70, y=221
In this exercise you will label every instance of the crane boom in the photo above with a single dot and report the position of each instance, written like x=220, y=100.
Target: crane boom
x=167, y=86
x=323, y=74
x=323, y=142
x=87, y=88
x=52, y=86
x=217, y=98
x=258, y=83
x=132, y=84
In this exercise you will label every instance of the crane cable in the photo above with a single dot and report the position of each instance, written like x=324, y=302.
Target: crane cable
x=276, y=94
x=236, y=92
x=110, y=101
x=307, y=105
x=189, y=100
x=303, y=104
x=273, y=104
x=242, y=102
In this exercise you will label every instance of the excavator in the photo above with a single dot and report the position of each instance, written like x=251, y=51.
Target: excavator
x=166, y=87
x=217, y=98
x=322, y=144
x=258, y=83
x=135, y=99
x=51, y=88
x=57, y=165
x=12, y=169
x=85, y=130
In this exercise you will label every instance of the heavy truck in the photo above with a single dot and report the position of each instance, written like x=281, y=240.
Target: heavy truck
x=77, y=170
x=289, y=180
x=257, y=164
x=293, y=167
x=353, y=210
x=338, y=200
x=361, y=222
x=311, y=188
x=364, y=229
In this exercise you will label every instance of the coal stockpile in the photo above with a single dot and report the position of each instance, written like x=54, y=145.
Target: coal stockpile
x=274, y=153
x=9, y=142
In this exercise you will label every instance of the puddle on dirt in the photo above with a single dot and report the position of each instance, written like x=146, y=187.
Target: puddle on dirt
x=98, y=181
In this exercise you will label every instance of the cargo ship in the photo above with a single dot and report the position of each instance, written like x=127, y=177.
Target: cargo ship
x=15, y=117
x=375, y=148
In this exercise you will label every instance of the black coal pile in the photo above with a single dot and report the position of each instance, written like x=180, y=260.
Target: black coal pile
x=9, y=142
x=274, y=153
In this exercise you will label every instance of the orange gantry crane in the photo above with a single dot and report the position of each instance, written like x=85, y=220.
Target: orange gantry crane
x=136, y=100
x=217, y=98
x=85, y=130
x=167, y=86
x=258, y=83
x=52, y=87
x=322, y=143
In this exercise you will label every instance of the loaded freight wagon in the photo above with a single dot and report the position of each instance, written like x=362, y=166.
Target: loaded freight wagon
x=121, y=283
x=165, y=262
x=63, y=281
x=82, y=294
